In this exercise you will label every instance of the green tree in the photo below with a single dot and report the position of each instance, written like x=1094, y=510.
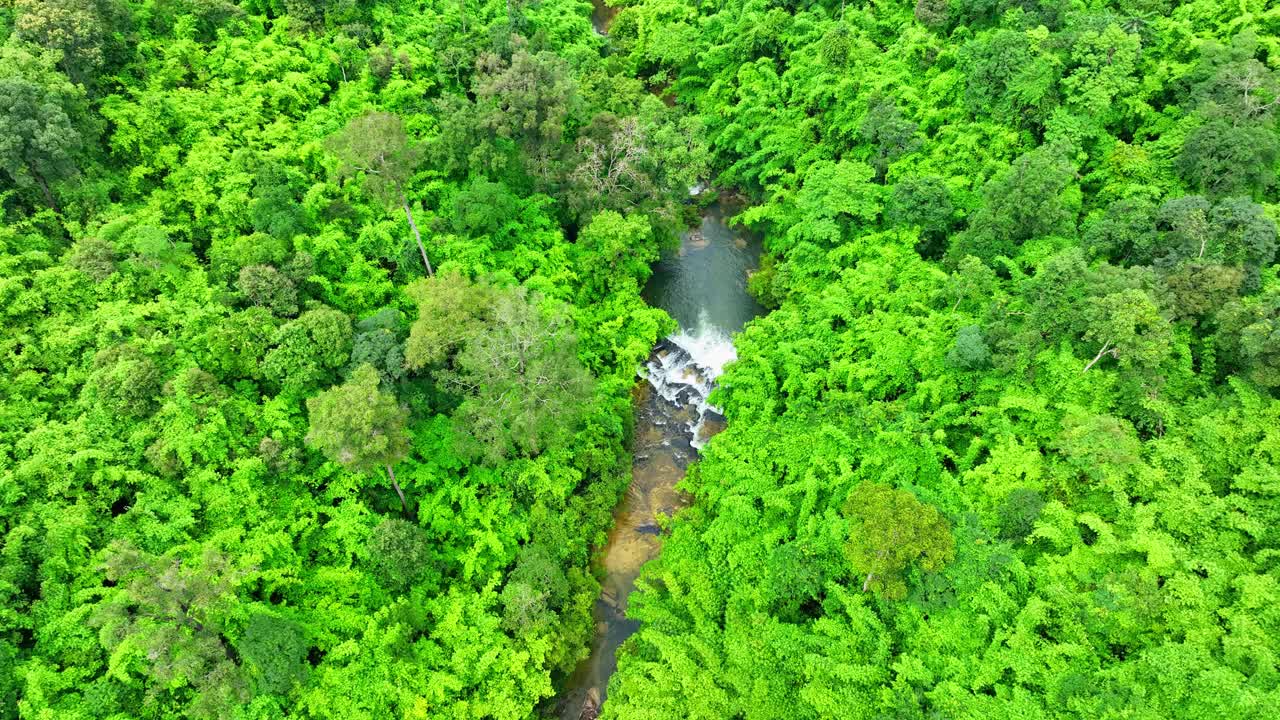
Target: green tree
x=38, y=138
x=399, y=553
x=490, y=209
x=523, y=383
x=451, y=309
x=126, y=381
x=1130, y=329
x=168, y=617
x=536, y=589
x=835, y=200
x=376, y=146
x=971, y=281
x=614, y=252
x=360, y=427
x=308, y=349
x=156, y=248
x=236, y=345
x=890, y=531
x=94, y=257
x=265, y=286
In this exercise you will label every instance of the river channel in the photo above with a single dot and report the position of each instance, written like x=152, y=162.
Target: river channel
x=704, y=287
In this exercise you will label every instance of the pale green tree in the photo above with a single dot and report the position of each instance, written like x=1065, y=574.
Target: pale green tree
x=376, y=146
x=360, y=427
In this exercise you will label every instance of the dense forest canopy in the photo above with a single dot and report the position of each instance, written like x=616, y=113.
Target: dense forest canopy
x=1008, y=445
x=321, y=320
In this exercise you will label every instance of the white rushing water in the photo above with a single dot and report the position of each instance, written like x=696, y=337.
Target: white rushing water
x=683, y=370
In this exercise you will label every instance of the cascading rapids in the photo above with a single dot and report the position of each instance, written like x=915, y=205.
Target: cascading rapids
x=683, y=369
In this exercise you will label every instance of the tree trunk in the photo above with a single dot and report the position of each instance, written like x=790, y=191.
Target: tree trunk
x=44, y=186
x=1098, y=357
x=392, y=474
x=867, y=585
x=416, y=235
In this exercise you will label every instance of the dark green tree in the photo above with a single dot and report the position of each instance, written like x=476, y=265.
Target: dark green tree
x=527, y=100
x=276, y=209
x=1222, y=158
x=273, y=653
x=1125, y=233
x=38, y=140
x=970, y=351
x=377, y=343
x=1035, y=197
x=1018, y=512
x=887, y=134
x=1248, y=333
x=80, y=30
x=1008, y=77
x=923, y=202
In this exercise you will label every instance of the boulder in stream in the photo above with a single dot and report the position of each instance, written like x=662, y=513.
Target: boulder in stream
x=591, y=705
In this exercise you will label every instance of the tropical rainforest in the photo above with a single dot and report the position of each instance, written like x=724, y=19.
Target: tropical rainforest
x=322, y=320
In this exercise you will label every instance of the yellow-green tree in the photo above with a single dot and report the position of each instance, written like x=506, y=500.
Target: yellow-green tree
x=890, y=530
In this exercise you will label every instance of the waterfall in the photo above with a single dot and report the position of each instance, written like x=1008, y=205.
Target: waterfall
x=683, y=369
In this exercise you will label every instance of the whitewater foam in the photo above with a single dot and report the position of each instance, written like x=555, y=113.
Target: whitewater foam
x=683, y=369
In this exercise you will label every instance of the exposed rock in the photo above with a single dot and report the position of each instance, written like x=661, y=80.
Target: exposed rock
x=590, y=706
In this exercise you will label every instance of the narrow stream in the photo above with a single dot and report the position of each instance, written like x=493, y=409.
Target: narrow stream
x=602, y=16
x=704, y=287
